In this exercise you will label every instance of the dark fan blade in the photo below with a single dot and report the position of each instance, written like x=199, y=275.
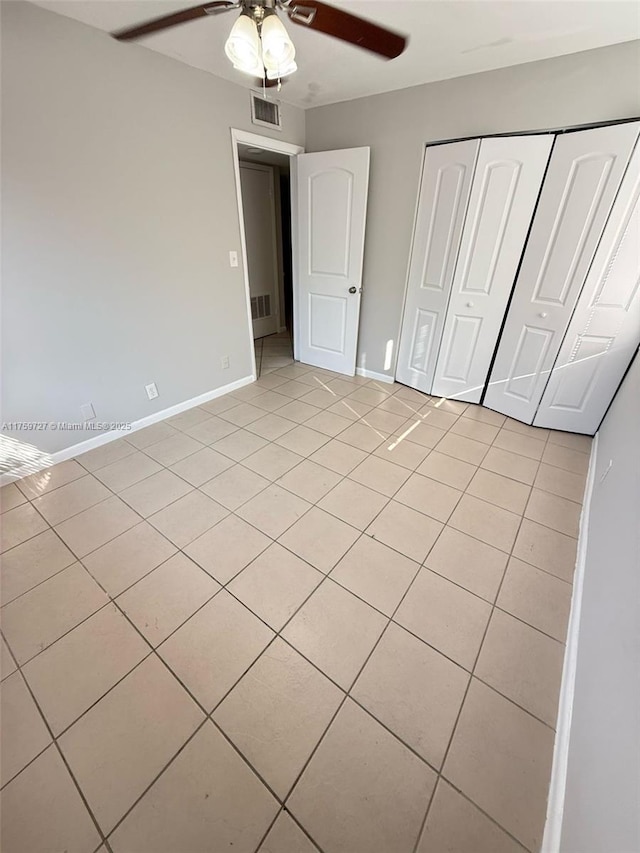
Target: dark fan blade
x=268, y=84
x=171, y=20
x=342, y=25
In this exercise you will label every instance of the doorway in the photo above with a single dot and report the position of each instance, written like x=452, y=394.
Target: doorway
x=264, y=180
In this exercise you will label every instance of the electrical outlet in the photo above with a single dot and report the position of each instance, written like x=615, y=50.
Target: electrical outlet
x=152, y=391
x=225, y=362
x=88, y=412
x=233, y=259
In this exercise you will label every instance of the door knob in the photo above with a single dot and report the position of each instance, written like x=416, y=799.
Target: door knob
x=353, y=289
x=542, y=314
x=469, y=304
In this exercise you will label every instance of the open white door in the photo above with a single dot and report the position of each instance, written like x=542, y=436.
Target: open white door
x=332, y=204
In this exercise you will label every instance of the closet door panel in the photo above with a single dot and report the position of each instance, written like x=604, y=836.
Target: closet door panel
x=505, y=188
x=584, y=175
x=444, y=194
x=604, y=332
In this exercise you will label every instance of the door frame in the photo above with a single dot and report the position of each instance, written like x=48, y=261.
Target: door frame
x=290, y=149
x=278, y=278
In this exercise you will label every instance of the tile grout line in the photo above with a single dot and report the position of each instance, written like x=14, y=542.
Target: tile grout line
x=210, y=446
x=361, y=533
x=464, y=699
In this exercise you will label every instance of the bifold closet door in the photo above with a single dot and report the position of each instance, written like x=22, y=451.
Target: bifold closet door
x=444, y=194
x=506, y=183
x=604, y=332
x=583, y=179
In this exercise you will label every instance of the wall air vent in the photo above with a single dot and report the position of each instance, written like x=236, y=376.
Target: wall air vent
x=260, y=307
x=265, y=112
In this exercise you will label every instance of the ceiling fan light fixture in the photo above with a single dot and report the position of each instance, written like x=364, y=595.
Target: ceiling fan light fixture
x=243, y=46
x=278, y=51
x=283, y=71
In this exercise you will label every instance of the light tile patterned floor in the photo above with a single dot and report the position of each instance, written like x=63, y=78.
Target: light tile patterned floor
x=318, y=613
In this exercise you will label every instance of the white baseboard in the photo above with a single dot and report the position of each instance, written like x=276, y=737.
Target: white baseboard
x=557, y=787
x=371, y=374
x=49, y=459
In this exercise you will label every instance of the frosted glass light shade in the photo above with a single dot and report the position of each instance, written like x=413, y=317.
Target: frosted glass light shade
x=243, y=46
x=282, y=72
x=278, y=52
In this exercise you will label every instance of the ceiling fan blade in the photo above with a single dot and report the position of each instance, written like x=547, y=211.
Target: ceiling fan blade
x=268, y=84
x=176, y=18
x=343, y=25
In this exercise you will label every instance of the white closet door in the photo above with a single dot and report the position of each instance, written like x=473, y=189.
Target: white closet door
x=584, y=176
x=604, y=332
x=506, y=183
x=444, y=194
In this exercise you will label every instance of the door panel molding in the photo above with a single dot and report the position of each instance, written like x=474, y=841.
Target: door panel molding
x=508, y=176
x=584, y=176
x=604, y=333
x=332, y=191
x=442, y=206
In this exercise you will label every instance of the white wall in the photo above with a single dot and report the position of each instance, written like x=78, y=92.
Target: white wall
x=602, y=802
x=597, y=85
x=119, y=210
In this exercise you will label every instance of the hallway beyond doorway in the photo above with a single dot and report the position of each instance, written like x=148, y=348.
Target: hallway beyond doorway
x=273, y=352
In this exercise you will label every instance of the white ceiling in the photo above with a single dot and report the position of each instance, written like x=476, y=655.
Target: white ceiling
x=260, y=155
x=448, y=38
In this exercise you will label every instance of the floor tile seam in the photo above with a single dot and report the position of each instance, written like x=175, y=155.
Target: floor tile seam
x=444, y=452
x=354, y=682
x=32, y=498
x=387, y=500
x=493, y=602
x=145, y=450
x=201, y=724
x=519, y=516
x=84, y=509
x=284, y=811
x=234, y=512
x=62, y=636
x=548, y=526
x=358, y=531
x=53, y=742
x=546, y=492
x=486, y=500
x=251, y=524
x=119, y=496
x=274, y=414
x=25, y=500
x=68, y=726
x=115, y=603
x=35, y=586
x=3, y=553
x=458, y=790
x=205, y=444
x=78, y=459
x=473, y=675
x=543, y=440
x=373, y=489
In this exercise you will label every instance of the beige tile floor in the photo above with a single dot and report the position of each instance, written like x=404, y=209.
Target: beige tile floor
x=318, y=613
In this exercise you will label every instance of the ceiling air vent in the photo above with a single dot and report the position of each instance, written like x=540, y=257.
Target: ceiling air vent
x=265, y=112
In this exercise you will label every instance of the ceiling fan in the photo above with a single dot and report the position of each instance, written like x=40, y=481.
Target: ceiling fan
x=259, y=44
